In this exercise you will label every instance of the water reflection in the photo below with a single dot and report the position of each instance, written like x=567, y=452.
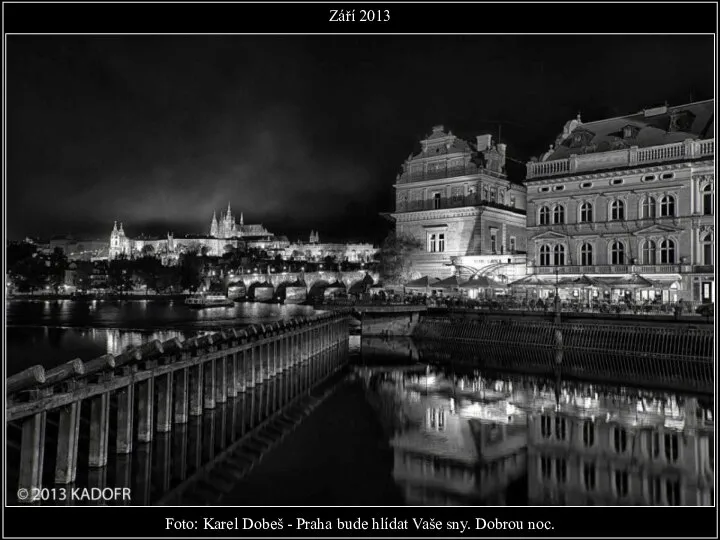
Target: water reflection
x=465, y=437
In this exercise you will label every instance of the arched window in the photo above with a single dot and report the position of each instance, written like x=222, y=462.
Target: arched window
x=586, y=213
x=559, y=214
x=617, y=253
x=648, y=208
x=617, y=210
x=667, y=206
x=545, y=255
x=544, y=216
x=667, y=252
x=707, y=249
x=648, y=252
x=707, y=200
x=586, y=255
x=559, y=252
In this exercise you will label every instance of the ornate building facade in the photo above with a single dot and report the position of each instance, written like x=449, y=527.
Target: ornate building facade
x=628, y=196
x=455, y=198
x=657, y=454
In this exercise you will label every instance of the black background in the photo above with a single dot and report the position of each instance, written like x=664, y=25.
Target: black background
x=405, y=17
x=572, y=522
x=305, y=18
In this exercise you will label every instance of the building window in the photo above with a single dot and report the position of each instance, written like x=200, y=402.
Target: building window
x=617, y=210
x=707, y=249
x=559, y=214
x=589, y=476
x=512, y=201
x=707, y=200
x=586, y=185
x=672, y=447
x=437, y=197
x=621, y=483
x=617, y=253
x=544, y=216
x=668, y=176
x=672, y=492
x=620, y=440
x=616, y=182
x=561, y=470
x=559, y=252
x=648, y=208
x=586, y=255
x=654, y=444
x=513, y=244
x=493, y=240
x=648, y=252
x=649, y=178
x=559, y=188
x=545, y=255
x=436, y=242
x=588, y=433
x=586, y=213
x=560, y=429
x=492, y=194
x=544, y=189
x=667, y=206
x=546, y=426
x=546, y=467
x=655, y=486
x=667, y=252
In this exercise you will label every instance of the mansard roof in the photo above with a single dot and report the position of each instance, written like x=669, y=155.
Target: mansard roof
x=651, y=127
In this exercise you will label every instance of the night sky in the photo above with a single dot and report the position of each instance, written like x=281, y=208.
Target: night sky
x=298, y=132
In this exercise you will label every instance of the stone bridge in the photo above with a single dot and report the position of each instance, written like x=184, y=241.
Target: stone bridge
x=318, y=280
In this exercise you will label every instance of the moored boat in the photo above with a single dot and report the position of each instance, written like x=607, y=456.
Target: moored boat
x=203, y=300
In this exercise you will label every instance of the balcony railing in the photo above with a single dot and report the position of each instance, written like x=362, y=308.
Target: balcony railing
x=627, y=157
x=704, y=269
x=454, y=202
x=447, y=172
x=615, y=269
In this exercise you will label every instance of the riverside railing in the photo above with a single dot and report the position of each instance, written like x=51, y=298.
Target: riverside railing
x=671, y=357
x=156, y=386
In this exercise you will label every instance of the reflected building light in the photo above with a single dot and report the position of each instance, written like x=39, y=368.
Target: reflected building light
x=673, y=423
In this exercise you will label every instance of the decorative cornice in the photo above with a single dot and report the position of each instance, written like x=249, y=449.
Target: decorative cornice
x=596, y=175
x=444, y=181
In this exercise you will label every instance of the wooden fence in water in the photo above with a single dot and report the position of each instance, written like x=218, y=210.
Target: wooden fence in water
x=155, y=386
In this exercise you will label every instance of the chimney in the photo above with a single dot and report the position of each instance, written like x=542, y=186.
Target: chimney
x=483, y=142
x=501, y=148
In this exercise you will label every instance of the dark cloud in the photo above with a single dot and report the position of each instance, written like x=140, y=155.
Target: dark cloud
x=298, y=132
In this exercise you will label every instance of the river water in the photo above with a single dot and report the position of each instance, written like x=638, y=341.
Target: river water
x=50, y=332
x=407, y=427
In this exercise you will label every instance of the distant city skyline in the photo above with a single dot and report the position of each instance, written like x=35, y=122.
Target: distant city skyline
x=157, y=132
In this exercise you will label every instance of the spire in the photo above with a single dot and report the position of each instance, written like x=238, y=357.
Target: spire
x=229, y=213
x=241, y=219
x=121, y=229
x=115, y=226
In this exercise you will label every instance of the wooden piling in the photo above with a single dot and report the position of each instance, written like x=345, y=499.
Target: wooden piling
x=209, y=384
x=32, y=455
x=99, y=430
x=125, y=419
x=196, y=390
x=164, y=388
x=145, y=392
x=67, y=444
x=180, y=400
